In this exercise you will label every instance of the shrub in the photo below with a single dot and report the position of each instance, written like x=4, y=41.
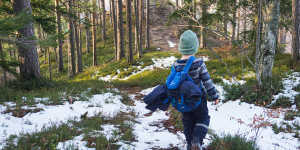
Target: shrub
x=231, y=142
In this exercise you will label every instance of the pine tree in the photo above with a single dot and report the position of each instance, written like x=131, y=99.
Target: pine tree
x=120, y=31
x=296, y=30
x=129, y=33
x=147, y=23
x=103, y=20
x=140, y=50
x=94, y=35
x=29, y=62
x=60, y=39
x=71, y=43
x=115, y=28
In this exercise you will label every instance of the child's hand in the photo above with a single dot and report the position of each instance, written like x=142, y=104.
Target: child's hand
x=216, y=102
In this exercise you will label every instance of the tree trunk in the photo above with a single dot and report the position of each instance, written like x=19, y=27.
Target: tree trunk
x=272, y=13
x=140, y=51
x=80, y=43
x=94, y=35
x=2, y=56
x=115, y=28
x=103, y=20
x=136, y=35
x=147, y=24
x=71, y=43
x=88, y=32
x=60, y=39
x=110, y=13
x=225, y=28
x=45, y=53
x=234, y=20
x=78, y=68
x=129, y=32
x=296, y=30
x=100, y=14
x=120, y=32
x=49, y=64
x=176, y=3
x=29, y=61
x=257, y=55
x=238, y=25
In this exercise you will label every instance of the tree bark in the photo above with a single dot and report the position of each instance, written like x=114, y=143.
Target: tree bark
x=147, y=24
x=115, y=28
x=88, y=32
x=296, y=30
x=2, y=56
x=60, y=39
x=80, y=42
x=49, y=64
x=129, y=32
x=94, y=35
x=29, y=61
x=238, y=25
x=77, y=38
x=71, y=43
x=258, y=53
x=100, y=14
x=140, y=51
x=234, y=20
x=272, y=13
x=136, y=35
x=103, y=20
x=110, y=13
x=120, y=32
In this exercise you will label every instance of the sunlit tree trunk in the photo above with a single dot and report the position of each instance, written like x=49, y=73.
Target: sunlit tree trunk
x=71, y=43
x=103, y=20
x=115, y=28
x=147, y=24
x=136, y=27
x=296, y=30
x=120, y=33
x=140, y=51
x=94, y=35
x=268, y=47
x=28, y=58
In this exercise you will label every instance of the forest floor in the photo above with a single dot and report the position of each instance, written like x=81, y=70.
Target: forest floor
x=102, y=107
x=117, y=118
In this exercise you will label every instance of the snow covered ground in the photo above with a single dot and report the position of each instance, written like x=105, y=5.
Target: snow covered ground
x=233, y=117
x=158, y=63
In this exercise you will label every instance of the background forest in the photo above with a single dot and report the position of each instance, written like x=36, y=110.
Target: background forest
x=74, y=72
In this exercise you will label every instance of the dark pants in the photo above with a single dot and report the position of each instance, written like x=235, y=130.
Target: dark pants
x=195, y=123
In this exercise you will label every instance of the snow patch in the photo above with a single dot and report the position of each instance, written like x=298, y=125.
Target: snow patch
x=171, y=44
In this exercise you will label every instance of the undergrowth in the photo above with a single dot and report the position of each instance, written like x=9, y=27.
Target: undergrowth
x=231, y=142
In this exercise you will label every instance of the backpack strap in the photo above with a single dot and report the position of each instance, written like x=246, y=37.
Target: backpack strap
x=188, y=64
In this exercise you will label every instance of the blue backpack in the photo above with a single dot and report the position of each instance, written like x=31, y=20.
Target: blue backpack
x=174, y=81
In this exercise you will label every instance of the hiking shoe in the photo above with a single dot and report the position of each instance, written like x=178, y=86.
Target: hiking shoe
x=196, y=145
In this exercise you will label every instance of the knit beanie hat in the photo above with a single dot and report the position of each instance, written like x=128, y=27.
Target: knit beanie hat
x=188, y=43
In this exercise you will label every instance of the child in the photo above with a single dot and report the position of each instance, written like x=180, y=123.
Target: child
x=196, y=122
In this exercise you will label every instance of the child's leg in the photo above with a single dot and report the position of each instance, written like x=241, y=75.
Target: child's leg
x=202, y=121
x=189, y=124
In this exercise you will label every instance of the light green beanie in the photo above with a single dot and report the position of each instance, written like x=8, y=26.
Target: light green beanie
x=188, y=43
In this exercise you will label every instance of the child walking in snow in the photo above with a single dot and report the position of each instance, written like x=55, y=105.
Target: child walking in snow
x=196, y=122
